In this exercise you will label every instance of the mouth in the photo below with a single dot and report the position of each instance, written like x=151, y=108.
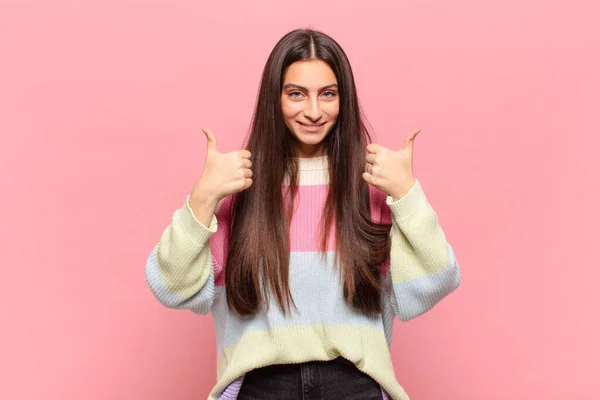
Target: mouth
x=313, y=128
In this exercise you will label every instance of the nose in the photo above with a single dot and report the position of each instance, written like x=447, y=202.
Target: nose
x=313, y=111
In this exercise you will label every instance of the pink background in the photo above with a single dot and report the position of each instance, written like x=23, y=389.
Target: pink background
x=101, y=105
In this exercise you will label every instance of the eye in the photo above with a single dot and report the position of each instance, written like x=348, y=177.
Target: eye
x=329, y=94
x=295, y=94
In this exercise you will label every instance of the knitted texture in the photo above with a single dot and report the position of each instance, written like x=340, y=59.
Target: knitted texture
x=186, y=270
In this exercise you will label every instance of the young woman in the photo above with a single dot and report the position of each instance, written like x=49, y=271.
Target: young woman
x=305, y=245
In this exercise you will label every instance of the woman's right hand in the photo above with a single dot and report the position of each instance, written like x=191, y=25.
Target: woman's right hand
x=224, y=174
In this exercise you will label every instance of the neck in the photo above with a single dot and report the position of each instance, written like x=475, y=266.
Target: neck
x=309, y=151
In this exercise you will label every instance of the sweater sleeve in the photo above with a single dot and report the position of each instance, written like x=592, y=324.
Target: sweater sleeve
x=423, y=268
x=179, y=269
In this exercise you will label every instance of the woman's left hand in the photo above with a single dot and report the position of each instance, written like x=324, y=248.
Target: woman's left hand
x=391, y=171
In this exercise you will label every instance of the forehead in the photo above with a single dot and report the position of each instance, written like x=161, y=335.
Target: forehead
x=310, y=74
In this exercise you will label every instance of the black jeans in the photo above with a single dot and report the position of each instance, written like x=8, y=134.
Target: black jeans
x=322, y=380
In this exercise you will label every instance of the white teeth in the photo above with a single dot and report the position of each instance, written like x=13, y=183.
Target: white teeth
x=311, y=128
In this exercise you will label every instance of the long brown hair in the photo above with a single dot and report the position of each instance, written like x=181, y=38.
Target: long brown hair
x=259, y=248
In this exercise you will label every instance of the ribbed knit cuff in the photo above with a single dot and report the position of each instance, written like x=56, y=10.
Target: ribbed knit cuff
x=195, y=230
x=409, y=204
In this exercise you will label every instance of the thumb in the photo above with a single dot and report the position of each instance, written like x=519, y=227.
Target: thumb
x=410, y=139
x=212, y=140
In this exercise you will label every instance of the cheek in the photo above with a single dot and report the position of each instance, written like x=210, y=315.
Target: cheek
x=289, y=109
x=333, y=110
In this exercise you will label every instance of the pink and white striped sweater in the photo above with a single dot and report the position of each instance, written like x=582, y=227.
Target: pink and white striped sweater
x=185, y=270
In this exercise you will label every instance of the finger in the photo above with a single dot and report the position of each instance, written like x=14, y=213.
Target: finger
x=374, y=148
x=411, y=137
x=371, y=158
x=248, y=183
x=248, y=173
x=244, y=154
x=368, y=178
x=212, y=140
x=246, y=163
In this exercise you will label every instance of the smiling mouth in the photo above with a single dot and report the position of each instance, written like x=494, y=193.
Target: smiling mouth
x=311, y=128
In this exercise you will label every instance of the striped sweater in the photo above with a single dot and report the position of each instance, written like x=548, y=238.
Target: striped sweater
x=185, y=270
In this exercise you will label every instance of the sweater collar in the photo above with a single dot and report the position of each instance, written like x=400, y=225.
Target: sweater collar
x=313, y=163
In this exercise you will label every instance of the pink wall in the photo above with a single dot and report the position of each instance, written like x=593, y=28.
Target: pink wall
x=101, y=105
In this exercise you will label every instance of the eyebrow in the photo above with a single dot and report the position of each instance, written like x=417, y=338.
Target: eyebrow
x=293, y=85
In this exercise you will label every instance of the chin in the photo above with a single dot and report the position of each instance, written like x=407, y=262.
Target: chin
x=311, y=140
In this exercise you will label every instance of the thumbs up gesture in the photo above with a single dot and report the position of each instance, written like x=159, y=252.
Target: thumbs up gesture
x=224, y=174
x=391, y=171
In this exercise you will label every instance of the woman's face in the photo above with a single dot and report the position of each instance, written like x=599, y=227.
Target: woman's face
x=310, y=104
